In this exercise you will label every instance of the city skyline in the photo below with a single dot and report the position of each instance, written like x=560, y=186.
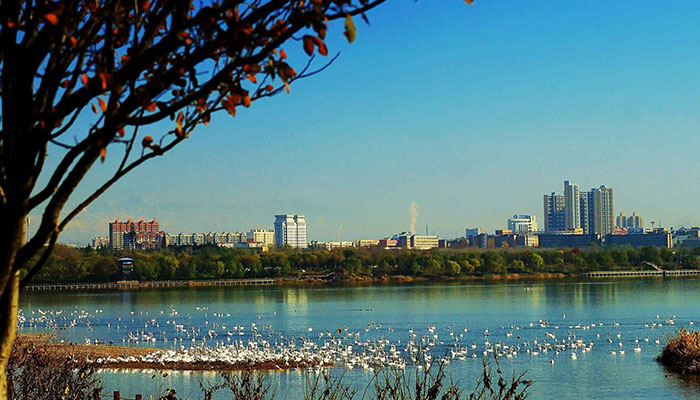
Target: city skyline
x=573, y=88
x=587, y=214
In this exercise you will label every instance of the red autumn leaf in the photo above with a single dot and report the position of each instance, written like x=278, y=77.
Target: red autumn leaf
x=151, y=107
x=51, y=18
x=65, y=83
x=246, y=101
x=322, y=49
x=230, y=106
x=103, y=154
x=84, y=79
x=94, y=109
x=178, y=121
x=121, y=131
x=103, y=105
x=269, y=88
x=146, y=142
x=103, y=79
x=283, y=54
x=308, y=44
x=252, y=78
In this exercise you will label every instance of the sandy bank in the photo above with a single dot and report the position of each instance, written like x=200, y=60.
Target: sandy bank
x=113, y=357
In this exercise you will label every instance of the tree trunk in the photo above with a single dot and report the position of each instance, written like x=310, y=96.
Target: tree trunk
x=9, y=304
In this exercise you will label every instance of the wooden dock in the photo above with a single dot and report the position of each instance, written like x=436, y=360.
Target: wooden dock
x=148, y=285
x=631, y=274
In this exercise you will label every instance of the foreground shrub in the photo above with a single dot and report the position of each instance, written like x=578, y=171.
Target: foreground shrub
x=426, y=383
x=682, y=352
x=32, y=373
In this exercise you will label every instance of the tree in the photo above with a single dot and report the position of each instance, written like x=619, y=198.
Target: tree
x=133, y=64
x=452, y=268
x=534, y=261
x=620, y=257
x=494, y=262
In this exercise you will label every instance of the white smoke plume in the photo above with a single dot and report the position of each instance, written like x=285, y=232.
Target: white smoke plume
x=340, y=229
x=414, y=216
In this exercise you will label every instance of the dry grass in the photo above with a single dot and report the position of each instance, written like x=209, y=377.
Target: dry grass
x=682, y=352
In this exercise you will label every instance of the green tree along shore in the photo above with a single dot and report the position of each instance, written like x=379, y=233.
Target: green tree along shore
x=69, y=264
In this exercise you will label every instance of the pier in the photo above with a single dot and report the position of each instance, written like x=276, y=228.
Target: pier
x=148, y=285
x=606, y=274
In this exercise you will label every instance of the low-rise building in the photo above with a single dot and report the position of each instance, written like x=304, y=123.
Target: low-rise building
x=262, y=236
x=659, y=239
x=367, y=243
x=522, y=223
x=424, y=242
x=99, y=241
x=331, y=245
x=388, y=243
x=567, y=239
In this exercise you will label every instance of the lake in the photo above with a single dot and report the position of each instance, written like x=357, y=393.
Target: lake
x=606, y=316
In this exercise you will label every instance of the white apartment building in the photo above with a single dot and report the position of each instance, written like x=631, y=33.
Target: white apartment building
x=290, y=229
x=522, y=223
x=263, y=236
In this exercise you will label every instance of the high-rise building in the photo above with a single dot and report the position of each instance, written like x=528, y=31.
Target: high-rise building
x=621, y=220
x=290, y=229
x=135, y=235
x=633, y=221
x=554, y=212
x=587, y=212
x=603, y=210
x=469, y=232
x=522, y=223
x=572, y=206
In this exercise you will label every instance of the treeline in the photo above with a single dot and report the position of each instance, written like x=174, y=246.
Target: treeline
x=210, y=262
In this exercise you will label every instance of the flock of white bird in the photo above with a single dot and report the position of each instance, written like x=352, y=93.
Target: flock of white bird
x=211, y=337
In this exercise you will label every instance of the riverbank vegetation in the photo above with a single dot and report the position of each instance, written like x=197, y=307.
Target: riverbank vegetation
x=682, y=352
x=69, y=264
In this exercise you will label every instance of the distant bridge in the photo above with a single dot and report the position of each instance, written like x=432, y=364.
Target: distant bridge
x=605, y=274
x=144, y=285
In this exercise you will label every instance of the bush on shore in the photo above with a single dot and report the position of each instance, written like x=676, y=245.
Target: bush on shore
x=32, y=373
x=682, y=352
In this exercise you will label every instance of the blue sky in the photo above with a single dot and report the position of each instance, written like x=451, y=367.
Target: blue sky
x=474, y=112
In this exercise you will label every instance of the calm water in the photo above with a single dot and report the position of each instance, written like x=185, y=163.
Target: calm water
x=516, y=314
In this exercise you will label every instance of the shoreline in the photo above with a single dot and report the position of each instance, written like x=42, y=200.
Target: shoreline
x=123, y=357
x=291, y=281
x=325, y=280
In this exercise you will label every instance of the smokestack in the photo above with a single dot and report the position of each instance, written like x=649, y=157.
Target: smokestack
x=414, y=217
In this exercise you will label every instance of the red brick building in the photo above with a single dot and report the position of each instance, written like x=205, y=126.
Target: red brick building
x=135, y=235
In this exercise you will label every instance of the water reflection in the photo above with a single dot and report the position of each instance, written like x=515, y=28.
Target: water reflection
x=451, y=306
